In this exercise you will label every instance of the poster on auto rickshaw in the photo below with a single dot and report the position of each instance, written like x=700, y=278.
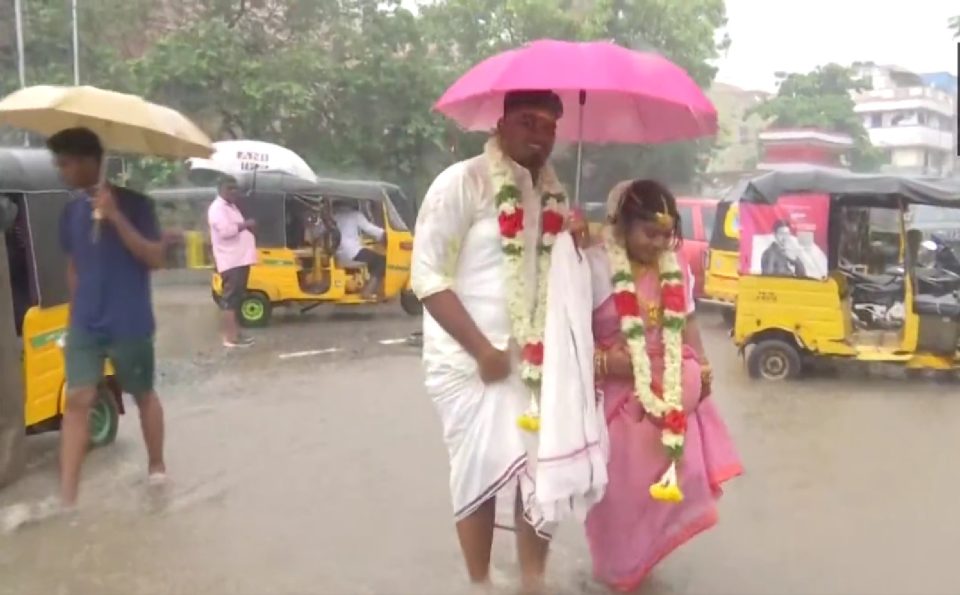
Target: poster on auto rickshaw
x=786, y=239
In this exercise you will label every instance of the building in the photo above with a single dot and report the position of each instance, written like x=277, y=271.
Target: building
x=912, y=119
x=789, y=147
x=944, y=81
x=747, y=146
x=737, y=147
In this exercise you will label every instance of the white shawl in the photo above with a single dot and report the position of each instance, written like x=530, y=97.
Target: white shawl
x=571, y=473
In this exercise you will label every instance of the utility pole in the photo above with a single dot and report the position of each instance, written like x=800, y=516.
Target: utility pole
x=18, y=24
x=76, y=44
x=21, y=61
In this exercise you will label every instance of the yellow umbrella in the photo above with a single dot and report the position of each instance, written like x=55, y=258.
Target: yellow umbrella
x=124, y=123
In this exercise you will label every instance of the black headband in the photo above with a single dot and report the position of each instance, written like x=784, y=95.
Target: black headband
x=536, y=99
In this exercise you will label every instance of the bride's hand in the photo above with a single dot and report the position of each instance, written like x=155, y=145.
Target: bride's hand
x=618, y=362
x=706, y=381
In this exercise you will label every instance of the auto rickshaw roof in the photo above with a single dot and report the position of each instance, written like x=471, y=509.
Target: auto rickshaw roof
x=322, y=187
x=352, y=189
x=768, y=187
x=28, y=170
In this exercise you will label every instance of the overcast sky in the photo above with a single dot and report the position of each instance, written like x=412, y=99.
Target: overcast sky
x=798, y=35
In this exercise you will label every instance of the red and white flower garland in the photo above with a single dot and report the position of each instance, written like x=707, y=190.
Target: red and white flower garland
x=527, y=325
x=662, y=402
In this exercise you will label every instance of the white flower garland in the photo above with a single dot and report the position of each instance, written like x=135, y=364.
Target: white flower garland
x=667, y=407
x=527, y=326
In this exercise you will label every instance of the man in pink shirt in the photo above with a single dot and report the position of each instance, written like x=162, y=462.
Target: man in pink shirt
x=234, y=251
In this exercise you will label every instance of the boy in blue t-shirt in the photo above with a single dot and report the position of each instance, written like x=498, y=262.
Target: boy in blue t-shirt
x=112, y=241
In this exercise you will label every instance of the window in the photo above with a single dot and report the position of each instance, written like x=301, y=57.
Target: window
x=708, y=213
x=876, y=120
x=686, y=221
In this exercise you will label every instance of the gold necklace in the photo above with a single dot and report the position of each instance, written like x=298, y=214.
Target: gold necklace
x=653, y=309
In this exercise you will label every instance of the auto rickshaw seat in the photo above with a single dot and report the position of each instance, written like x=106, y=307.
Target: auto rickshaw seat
x=946, y=306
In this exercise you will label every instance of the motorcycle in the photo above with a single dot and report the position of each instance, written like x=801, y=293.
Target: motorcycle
x=943, y=255
x=877, y=300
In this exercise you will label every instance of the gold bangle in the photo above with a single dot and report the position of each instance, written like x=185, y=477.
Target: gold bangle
x=600, y=363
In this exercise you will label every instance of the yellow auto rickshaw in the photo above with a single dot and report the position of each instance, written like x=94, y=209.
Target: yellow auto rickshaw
x=862, y=308
x=299, y=269
x=31, y=199
x=720, y=270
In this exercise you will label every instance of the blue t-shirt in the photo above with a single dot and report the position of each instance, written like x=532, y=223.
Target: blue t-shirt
x=112, y=297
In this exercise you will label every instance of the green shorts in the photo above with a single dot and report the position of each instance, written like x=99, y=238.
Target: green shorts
x=132, y=360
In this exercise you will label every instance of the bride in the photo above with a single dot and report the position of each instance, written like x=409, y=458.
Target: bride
x=669, y=449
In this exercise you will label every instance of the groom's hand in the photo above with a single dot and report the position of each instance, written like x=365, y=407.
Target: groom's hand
x=578, y=228
x=494, y=365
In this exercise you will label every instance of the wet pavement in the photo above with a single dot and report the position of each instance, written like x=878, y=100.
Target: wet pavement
x=312, y=463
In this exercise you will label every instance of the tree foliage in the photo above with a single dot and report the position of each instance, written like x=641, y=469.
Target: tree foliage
x=822, y=99
x=349, y=84
x=955, y=25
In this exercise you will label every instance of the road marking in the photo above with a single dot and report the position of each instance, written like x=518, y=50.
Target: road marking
x=394, y=341
x=297, y=354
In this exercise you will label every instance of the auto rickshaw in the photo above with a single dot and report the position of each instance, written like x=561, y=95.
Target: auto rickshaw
x=298, y=270
x=723, y=254
x=33, y=196
x=898, y=313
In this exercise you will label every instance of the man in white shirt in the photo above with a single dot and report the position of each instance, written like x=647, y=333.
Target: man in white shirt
x=352, y=225
x=471, y=358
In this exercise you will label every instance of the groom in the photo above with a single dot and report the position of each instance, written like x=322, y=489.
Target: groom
x=470, y=357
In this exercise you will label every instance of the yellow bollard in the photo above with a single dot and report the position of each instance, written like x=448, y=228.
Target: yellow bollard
x=194, y=248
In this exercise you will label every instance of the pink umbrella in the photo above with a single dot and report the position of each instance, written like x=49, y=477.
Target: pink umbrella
x=631, y=97
x=610, y=94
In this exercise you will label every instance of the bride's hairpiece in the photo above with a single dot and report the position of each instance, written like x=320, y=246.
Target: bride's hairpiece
x=663, y=217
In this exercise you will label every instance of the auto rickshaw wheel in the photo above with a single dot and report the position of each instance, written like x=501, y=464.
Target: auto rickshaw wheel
x=104, y=420
x=410, y=304
x=255, y=310
x=773, y=359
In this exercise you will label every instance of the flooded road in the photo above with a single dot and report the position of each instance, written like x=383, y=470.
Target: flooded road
x=313, y=464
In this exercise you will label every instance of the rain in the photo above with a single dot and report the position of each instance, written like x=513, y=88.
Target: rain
x=313, y=461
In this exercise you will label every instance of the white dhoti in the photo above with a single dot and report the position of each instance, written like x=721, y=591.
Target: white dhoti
x=458, y=248
x=487, y=451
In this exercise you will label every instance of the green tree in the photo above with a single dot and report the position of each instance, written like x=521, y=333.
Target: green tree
x=466, y=31
x=823, y=99
x=349, y=84
x=955, y=25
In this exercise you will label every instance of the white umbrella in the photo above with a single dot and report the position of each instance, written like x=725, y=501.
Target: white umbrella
x=237, y=157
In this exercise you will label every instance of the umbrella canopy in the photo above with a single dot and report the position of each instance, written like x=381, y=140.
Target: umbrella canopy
x=238, y=157
x=622, y=96
x=124, y=123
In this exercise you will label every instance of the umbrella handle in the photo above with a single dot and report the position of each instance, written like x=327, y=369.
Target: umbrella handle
x=97, y=215
x=583, y=102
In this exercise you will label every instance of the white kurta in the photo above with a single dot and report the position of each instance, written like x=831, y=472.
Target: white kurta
x=457, y=247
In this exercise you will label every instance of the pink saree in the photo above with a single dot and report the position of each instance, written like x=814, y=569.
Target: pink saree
x=628, y=531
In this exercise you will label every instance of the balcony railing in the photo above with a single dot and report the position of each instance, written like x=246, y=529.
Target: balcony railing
x=905, y=93
x=912, y=136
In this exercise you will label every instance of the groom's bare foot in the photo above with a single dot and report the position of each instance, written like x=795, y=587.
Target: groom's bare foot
x=532, y=585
